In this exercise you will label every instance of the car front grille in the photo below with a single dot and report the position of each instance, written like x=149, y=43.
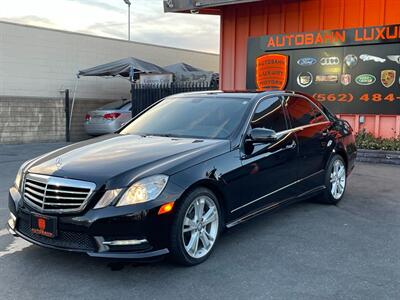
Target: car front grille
x=55, y=194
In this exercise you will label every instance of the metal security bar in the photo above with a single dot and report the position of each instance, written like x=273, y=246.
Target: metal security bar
x=144, y=95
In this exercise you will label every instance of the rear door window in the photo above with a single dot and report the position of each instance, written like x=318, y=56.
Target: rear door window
x=302, y=112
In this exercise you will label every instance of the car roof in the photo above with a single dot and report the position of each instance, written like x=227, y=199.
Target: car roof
x=250, y=95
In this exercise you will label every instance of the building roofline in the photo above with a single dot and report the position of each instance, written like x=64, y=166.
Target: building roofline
x=106, y=38
x=191, y=5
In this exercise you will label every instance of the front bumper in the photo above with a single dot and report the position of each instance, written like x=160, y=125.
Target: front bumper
x=97, y=232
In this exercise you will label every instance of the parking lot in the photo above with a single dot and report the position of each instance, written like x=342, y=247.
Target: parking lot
x=306, y=251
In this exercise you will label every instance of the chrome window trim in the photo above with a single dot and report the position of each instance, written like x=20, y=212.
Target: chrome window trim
x=289, y=130
x=299, y=128
x=64, y=182
x=275, y=191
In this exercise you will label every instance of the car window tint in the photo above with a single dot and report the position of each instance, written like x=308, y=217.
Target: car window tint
x=200, y=117
x=302, y=112
x=269, y=114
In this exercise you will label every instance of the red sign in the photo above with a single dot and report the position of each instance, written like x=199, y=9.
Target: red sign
x=271, y=72
x=41, y=223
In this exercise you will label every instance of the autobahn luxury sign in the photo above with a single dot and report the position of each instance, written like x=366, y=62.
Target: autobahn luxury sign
x=351, y=71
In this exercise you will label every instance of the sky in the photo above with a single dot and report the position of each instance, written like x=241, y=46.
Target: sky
x=149, y=23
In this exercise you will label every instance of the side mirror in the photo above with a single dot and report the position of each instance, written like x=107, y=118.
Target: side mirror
x=262, y=135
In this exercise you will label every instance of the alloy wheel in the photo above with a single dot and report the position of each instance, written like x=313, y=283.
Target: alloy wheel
x=200, y=227
x=338, y=179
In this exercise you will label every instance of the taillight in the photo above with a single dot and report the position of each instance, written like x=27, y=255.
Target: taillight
x=111, y=116
x=88, y=117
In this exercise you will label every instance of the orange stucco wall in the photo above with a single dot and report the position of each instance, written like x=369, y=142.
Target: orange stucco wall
x=238, y=22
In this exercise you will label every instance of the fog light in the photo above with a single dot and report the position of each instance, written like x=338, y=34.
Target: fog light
x=12, y=221
x=125, y=242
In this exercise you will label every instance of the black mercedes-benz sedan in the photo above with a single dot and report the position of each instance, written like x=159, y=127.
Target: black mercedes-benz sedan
x=177, y=174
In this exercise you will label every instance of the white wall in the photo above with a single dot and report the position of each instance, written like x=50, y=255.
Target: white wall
x=37, y=62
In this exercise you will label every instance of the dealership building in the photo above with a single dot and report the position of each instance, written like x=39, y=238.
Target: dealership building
x=37, y=65
x=344, y=53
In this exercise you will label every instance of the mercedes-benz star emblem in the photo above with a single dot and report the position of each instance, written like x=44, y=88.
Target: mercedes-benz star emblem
x=58, y=163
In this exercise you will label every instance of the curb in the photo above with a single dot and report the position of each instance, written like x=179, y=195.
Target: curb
x=378, y=156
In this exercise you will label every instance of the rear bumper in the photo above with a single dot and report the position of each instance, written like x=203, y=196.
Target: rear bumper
x=95, y=233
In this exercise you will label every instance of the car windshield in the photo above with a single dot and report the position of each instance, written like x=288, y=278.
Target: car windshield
x=197, y=117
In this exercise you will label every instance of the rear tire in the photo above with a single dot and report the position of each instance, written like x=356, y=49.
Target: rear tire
x=196, y=227
x=335, y=181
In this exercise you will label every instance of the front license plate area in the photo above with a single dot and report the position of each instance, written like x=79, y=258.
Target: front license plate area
x=44, y=225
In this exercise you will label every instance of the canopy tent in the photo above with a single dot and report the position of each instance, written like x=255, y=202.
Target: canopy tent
x=186, y=73
x=131, y=68
x=127, y=67
x=182, y=67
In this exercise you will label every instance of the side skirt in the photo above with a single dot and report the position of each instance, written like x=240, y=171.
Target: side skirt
x=273, y=206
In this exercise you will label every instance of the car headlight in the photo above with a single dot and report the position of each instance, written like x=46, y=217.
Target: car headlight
x=20, y=173
x=144, y=190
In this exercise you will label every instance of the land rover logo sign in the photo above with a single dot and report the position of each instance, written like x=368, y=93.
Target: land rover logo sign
x=271, y=72
x=365, y=79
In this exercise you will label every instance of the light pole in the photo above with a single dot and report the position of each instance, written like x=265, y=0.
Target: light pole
x=129, y=18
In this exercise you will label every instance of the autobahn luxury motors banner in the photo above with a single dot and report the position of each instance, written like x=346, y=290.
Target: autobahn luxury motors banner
x=351, y=71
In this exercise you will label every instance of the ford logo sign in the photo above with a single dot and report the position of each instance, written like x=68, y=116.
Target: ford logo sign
x=306, y=61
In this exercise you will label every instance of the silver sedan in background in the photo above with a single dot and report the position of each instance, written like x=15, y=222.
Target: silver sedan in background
x=108, y=118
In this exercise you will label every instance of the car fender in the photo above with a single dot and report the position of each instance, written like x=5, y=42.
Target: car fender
x=218, y=174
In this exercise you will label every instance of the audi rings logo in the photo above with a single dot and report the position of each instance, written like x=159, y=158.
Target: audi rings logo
x=329, y=61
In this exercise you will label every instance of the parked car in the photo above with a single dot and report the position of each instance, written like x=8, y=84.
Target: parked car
x=180, y=172
x=108, y=118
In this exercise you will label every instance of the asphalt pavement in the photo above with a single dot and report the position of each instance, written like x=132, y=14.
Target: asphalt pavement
x=305, y=251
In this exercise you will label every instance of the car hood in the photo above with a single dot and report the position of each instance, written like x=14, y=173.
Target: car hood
x=117, y=160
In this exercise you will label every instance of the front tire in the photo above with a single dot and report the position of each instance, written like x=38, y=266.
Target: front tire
x=196, y=227
x=335, y=180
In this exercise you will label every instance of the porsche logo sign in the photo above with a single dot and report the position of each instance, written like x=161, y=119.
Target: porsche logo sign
x=271, y=72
